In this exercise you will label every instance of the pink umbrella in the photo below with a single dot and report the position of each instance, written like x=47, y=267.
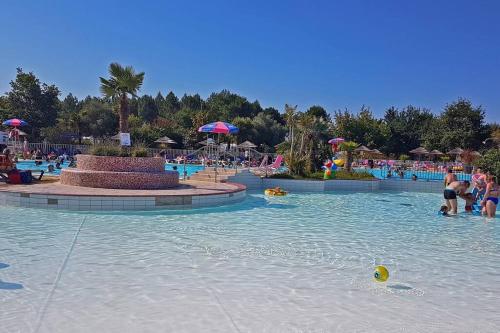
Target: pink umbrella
x=336, y=141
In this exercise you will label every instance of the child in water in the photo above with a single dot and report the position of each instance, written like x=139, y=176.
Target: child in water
x=444, y=210
x=469, y=201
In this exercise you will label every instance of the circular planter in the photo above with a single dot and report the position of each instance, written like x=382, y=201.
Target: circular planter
x=133, y=173
x=120, y=164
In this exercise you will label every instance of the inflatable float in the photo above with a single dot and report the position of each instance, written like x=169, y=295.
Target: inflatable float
x=277, y=192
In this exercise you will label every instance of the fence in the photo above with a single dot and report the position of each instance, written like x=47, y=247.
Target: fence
x=409, y=169
x=72, y=149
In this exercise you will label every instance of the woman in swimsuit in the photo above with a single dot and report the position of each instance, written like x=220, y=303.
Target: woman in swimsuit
x=490, y=200
x=450, y=194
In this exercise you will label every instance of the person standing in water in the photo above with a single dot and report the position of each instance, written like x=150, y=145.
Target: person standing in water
x=450, y=194
x=490, y=200
x=450, y=177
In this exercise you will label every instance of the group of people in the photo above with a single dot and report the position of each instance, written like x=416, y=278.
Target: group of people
x=485, y=192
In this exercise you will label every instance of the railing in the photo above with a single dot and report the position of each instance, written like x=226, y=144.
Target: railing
x=209, y=152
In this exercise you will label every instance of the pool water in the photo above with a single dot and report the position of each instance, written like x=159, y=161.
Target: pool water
x=30, y=165
x=421, y=175
x=300, y=263
x=190, y=168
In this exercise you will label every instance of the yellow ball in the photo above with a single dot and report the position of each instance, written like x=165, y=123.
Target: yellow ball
x=381, y=274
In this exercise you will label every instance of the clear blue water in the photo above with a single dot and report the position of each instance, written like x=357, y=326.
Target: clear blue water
x=421, y=175
x=30, y=165
x=300, y=263
x=190, y=168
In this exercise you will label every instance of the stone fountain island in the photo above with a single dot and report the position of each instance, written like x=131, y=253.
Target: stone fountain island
x=112, y=172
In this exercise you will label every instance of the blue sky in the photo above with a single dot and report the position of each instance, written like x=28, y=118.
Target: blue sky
x=336, y=54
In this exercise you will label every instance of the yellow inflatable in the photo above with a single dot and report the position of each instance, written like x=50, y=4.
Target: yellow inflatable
x=275, y=192
x=339, y=163
x=381, y=274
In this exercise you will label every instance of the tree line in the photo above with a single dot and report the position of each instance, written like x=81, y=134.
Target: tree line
x=69, y=120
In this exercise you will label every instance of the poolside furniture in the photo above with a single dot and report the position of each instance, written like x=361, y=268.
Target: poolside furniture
x=269, y=169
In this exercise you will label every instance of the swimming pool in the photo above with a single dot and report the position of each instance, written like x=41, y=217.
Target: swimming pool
x=300, y=263
x=30, y=165
x=421, y=175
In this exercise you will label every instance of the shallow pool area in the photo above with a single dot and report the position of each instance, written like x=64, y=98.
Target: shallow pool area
x=299, y=263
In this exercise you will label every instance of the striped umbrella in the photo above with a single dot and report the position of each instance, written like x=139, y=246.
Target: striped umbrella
x=219, y=127
x=15, y=122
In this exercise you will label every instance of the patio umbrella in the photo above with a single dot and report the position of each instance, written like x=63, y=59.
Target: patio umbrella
x=336, y=141
x=166, y=140
x=476, y=153
x=456, y=151
x=419, y=152
x=362, y=149
x=15, y=122
x=247, y=145
x=376, y=152
x=207, y=142
x=219, y=127
x=435, y=152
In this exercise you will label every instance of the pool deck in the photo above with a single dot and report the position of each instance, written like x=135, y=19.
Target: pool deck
x=190, y=194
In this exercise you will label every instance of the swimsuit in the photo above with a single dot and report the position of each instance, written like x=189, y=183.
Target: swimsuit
x=468, y=208
x=450, y=194
x=493, y=199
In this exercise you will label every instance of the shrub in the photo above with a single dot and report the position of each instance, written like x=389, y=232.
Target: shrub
x=139, y=150
x=404, y=157
x=490, y=161
x=344, y=175
x=282, y=176
x=105, y=149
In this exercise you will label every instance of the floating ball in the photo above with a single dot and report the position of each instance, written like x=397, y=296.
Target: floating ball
x=381, y=274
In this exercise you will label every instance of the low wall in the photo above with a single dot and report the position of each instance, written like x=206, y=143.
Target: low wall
x=253, y=182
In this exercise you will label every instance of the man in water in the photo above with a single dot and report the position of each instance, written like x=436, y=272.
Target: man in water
x=450, y=194
x=450, y=177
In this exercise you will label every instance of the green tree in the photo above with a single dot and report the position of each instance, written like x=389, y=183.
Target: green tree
x=362, y=128
x=460, y=125
x=406, y=128
x=123, y=81
x=490, y=161
x=171, y=104
x=193, y=102
x=348, y=147
x=148, y=109
x=318, y=112
x=97, y=119
x=35, y=102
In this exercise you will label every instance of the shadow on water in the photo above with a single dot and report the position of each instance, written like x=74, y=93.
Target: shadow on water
x=399, y=287
x=2, y=265
x=405, y=204
x=10, y=285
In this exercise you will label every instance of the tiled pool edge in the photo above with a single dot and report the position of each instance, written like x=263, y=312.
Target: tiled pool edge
x=253, y=182
x=120, y=203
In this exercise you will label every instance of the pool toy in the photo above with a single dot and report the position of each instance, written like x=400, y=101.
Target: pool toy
x=381, y=274
x=339, y=162
x=277, y=192
x=330, y=167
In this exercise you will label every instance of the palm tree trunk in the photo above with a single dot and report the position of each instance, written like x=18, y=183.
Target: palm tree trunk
x=123, y=114
x=348, y=161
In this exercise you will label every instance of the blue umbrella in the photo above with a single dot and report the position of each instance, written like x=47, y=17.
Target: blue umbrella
x=15, y=122
x=219, y=127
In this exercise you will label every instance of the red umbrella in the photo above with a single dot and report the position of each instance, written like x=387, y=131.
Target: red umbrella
x=15, y=122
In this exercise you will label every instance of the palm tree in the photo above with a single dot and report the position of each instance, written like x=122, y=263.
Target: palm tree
x=122, y=82
x=348, y=147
